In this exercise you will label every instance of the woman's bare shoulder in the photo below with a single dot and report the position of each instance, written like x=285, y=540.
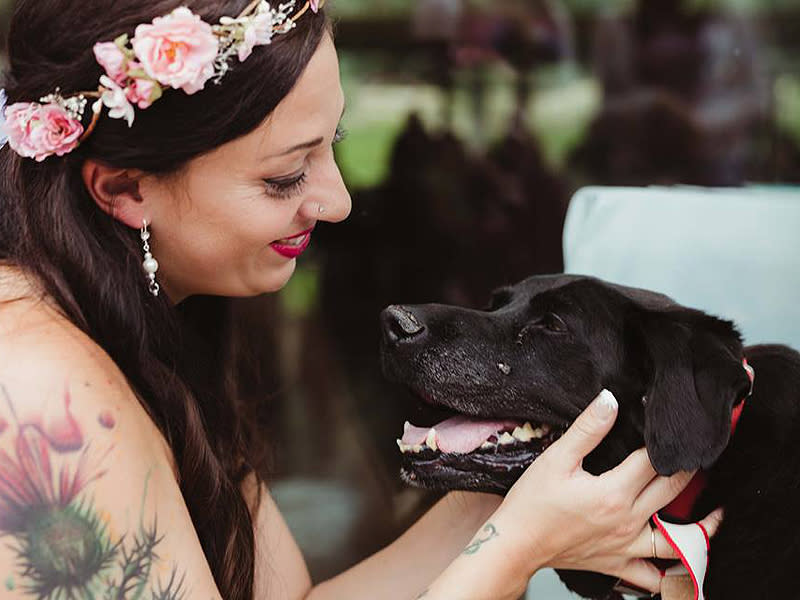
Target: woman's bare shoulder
x=43, y=354
x=32, y=326
x=89, y=501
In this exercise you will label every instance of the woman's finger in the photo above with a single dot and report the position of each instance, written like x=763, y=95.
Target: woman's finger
x=642, y=574
x=632, y=474
x=588, y=430
x=642, y=546
x=712, y=522
x=660, y=492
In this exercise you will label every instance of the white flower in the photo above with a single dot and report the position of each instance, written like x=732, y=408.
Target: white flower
x=115, y=99
x=257, y=31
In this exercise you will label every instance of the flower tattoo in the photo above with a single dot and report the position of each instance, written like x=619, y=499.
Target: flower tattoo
x=63, y=546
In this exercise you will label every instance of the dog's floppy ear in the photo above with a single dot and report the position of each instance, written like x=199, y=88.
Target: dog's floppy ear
x=695, y=365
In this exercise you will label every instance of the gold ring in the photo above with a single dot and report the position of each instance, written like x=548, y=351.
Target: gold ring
x=653, y=541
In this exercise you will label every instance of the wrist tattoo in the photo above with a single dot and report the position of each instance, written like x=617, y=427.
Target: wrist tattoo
x=490, y=531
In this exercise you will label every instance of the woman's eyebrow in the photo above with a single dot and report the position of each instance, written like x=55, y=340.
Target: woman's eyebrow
x=302, y=146
x=306, y=145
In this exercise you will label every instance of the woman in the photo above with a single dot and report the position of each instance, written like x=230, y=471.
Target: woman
x=199, y=164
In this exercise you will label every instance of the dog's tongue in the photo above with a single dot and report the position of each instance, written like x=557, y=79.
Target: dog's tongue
x=457, y=434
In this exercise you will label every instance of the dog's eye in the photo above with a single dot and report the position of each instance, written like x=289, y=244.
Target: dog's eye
x=549, y=323
x=552, y=322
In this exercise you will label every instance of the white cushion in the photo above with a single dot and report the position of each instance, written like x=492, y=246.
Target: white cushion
x=733, y=252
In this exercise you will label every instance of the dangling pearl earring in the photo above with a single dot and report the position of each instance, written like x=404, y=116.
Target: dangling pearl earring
x=150, y=264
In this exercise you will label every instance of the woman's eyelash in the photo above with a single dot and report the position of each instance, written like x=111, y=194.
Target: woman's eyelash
x=286, y=187
x=340, y=134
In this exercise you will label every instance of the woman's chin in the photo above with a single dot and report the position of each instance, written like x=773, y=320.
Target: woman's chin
x=263, y=281
x=274, y=279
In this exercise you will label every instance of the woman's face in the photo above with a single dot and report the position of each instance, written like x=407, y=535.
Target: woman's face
x=234, y=221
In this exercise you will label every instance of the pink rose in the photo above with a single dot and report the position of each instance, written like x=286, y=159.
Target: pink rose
x=56, y=132
x=177, y=50
x=141, y=92
x=112, y=59
x=17, y=127
x=37, y=131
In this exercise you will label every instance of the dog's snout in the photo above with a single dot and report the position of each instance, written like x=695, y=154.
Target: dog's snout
x=399, y=324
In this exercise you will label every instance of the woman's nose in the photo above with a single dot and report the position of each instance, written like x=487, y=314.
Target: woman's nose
x=329, y=199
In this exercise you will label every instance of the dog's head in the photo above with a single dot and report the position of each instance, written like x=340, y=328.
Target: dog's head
x=517, y=374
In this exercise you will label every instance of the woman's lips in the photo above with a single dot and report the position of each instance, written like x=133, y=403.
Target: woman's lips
x=293, y=246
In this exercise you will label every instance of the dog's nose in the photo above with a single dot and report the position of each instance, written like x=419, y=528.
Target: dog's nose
x=399, y=324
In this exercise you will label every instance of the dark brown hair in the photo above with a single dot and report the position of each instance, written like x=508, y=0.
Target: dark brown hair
x=90, y=263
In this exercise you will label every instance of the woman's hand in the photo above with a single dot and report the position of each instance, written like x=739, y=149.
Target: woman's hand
x=559, y=515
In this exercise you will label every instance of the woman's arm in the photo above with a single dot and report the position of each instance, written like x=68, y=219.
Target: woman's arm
x=401, y=570
x=408, y=565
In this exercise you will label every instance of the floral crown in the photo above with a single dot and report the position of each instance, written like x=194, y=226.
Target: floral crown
x=178, y=50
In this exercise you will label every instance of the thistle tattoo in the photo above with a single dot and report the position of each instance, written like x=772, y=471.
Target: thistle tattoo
x=64, y=549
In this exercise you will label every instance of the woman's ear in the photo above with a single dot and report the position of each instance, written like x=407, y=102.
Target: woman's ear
x=116, y=192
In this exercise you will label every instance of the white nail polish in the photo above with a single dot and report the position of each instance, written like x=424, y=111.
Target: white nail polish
x=606, y=403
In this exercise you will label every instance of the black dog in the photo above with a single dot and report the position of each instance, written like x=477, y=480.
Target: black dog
x=546, y=346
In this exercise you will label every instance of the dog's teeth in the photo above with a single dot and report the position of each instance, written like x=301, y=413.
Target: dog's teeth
x=406, y=425
x=431, y=439
x=506, y=438
x=528, y=429
x=404, y=448
x=486, y=445
x=522, y=434
x=416, y=448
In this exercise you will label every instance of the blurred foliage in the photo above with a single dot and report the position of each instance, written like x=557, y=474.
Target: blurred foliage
x=787, y=104
x=567, y=95
x=373, y=8
x=299, y=296
x=378, y=108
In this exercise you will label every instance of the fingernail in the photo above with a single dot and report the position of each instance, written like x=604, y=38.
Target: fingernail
x=605, y=405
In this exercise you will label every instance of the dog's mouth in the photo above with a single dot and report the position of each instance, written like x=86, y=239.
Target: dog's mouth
x=472, y=453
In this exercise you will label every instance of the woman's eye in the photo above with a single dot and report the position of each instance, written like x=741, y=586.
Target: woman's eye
x=285, y=187
x=340, y=134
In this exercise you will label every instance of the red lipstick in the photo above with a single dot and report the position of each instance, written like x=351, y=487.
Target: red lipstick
x=294, y=246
